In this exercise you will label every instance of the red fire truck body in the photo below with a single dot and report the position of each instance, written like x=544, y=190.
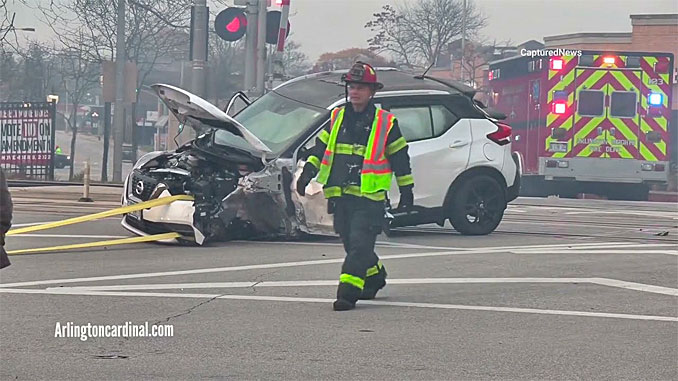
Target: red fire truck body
x=587, y=122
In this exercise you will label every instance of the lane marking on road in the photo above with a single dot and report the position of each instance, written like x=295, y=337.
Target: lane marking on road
x=68, y=236
x=663, y=252
x=487, y=250
x=385, y=244
x=411, y=281
x=32, y=224
x=415, y=246
x=361, y=303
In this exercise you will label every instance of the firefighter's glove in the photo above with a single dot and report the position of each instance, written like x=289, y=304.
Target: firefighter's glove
x=406, y=198
x=304, y=179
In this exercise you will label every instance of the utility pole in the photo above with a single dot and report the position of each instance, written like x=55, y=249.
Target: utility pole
x=199, y=48
x=463, y=39
x=261, y=48
x=251, y=45
x=119, y=116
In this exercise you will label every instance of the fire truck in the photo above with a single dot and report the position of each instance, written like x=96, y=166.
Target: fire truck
x=587, y=121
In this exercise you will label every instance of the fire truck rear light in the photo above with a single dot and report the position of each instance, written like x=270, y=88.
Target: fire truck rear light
x=559, y=108
x=556, y=64
x=557, y=164
x=503, y=134
x=655, y=99
x=608, y=60
x=647, y=166
x=659, y=167
x=490, y=75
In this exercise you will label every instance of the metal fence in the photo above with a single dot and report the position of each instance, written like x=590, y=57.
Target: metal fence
x=27, y=134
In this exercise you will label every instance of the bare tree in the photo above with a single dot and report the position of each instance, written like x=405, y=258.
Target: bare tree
x=294, y=60
x=344, y=59
x=156, y=29
x=27, y=74
x=78, y=75
x=7, y=25
x=416, y=34
x=227, y=65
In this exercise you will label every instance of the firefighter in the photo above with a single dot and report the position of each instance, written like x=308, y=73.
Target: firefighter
x=58, y=150
x=355, y=158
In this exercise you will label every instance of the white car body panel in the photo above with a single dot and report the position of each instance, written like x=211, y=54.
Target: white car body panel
x=436, y=163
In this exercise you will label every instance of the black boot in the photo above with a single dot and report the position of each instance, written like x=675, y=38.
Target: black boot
x=347, y=296
x=373, y=284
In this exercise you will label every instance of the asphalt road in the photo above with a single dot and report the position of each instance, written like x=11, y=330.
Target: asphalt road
x=565, y=289
x=89, y=147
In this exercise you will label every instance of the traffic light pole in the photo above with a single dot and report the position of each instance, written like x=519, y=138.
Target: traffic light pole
x=199, y=53
x=261, y=48
x=251, y=45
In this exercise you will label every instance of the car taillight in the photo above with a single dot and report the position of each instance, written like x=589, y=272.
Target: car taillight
x=502, y=135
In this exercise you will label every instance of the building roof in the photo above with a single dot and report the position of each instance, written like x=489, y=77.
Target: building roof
x=590, y=38
x=655, y=19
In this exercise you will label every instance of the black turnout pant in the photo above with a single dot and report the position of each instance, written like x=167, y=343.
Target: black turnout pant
x=358, y=221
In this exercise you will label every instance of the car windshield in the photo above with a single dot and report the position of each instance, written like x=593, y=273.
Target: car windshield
x=275, y=120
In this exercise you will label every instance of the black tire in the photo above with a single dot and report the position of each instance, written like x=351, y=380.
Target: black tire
x=59, y=165
x=477, y=206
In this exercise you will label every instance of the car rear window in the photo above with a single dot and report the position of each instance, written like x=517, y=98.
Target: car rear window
x=319, y=93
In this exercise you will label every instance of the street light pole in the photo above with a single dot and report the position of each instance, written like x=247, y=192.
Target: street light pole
x=199, y=47
x=119, y=115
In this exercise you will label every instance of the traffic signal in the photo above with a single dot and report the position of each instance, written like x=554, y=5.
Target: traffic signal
x=231, y=24
x=273, y=27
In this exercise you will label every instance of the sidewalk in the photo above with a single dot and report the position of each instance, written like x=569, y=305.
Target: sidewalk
x=67, y=193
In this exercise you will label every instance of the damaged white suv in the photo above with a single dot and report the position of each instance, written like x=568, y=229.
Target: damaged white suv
x=241, y=170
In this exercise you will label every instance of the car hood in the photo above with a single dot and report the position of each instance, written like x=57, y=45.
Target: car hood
x=196, y=112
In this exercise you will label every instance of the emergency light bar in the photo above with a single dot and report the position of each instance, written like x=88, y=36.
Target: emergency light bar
x=559, y=108
x=556, y=64
x=608, y=60
x=655, y=99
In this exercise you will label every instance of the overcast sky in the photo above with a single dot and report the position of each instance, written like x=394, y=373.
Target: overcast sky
x=331, y=25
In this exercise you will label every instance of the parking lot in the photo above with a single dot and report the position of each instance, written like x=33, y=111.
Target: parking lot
x=564, y=289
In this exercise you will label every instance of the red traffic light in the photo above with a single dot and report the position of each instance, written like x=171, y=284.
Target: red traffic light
x=231, y=24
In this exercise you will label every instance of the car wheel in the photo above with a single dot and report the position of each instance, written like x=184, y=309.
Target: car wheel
x=477, y=206
x=59, y=165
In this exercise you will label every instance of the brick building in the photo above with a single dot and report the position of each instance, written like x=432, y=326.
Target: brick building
x=649, y=33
